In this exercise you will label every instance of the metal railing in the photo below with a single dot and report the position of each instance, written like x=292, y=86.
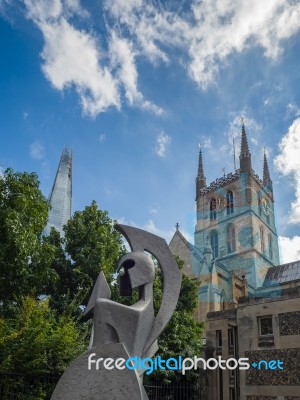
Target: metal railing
x=15, y=386
x=174, y=391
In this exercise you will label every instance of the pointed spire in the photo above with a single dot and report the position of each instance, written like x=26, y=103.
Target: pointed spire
x=200, y=164
x=60, y=198
x=266, y=173
x=200, y=180
x=207, y=252
x=244, y=142
x=245, y=156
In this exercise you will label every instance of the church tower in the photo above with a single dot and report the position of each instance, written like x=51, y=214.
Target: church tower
x=236, y=213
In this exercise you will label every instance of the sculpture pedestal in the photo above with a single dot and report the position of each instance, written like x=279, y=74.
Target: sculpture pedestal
x=80, y=383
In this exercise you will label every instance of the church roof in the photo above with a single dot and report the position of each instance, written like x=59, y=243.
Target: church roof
x=282, y=274
x=197, y=252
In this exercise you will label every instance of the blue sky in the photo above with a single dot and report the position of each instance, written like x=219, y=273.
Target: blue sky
x=133, y=87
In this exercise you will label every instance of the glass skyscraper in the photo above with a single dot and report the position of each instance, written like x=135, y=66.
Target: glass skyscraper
x=60, y=198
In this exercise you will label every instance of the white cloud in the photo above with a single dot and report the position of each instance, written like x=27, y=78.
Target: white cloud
x=206, y=142
x=149, y=226
x=72, y=58
x=200, y=36
x=162, y=143
x=148, y=26
x=253, y=129
x=287, y=162
x=122, y=58
x=209, y=32
x=225, y=27
x=102, y=138
x=37, y=150
x=293, y=109
x=289, y=249
x=153, y=210
x=233, y=134
x=110, y=192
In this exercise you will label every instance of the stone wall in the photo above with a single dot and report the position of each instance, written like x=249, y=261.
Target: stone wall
x=292, y=398
x=289, y=323
x=261, y=397
x=289, y=376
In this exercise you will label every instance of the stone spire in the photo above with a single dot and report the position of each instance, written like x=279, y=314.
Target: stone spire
x=266, y=174
x=245, y=156
x=200, y=164
x=200, y=180
x=207, y=252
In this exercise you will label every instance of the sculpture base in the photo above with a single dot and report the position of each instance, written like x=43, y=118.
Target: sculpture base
x=80, y=383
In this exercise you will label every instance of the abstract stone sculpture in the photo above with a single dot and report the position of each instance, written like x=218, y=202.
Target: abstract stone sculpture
x=121, y=331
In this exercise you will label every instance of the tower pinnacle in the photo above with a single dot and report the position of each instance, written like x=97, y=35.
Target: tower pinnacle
x=200, y=180
x=245, y=156
x=200, y=164
x=266, y=173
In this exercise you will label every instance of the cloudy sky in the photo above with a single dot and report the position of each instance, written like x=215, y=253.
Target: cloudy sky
x=133, y=86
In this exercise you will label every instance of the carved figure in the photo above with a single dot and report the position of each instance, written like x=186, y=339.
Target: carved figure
x=121, y=331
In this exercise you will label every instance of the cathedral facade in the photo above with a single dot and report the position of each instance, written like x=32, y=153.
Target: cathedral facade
x=246, y=298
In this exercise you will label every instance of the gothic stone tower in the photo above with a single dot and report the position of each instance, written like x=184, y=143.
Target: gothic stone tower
x=235, y=213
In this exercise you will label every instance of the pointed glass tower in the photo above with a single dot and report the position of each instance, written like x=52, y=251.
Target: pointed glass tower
x=60, y=198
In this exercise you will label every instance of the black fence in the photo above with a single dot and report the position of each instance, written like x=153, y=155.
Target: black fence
x=40, y=387
x=26, y=387
x=174, y=391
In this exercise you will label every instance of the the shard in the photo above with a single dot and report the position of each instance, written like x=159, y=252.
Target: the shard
x=60, y=198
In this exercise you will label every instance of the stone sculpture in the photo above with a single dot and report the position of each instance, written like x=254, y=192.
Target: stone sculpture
x=119, y=331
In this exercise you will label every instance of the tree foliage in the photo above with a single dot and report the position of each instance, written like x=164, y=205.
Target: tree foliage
x=182, y=336
x=24, y=257
x=35, y=344
x=38, y=340
x=91, y=244
x=46, y=335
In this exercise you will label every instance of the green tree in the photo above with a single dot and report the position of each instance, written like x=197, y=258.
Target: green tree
x=91, y=244
x=63, y=285
x=24, y=257
x=36, y=342
x=182, y=336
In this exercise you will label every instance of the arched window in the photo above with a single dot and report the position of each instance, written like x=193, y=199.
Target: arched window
x=213, y=209
x=270, y=243
x=214, y=242
x=262, y=239
x=231, y=242
x=259, y=203
x=229, y=202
